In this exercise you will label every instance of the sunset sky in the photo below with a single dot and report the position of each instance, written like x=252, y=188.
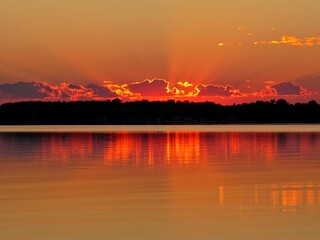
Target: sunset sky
x=223, y=51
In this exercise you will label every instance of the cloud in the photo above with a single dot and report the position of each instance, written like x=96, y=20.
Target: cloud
x=217, y=90
x=101, y=91
x=288, y=88
x=30, y=90
x=150, y=88
x=267, y=92
x=269, y=82
x=292, y=41
x=44, y=91
x=184, y=89
x=284, y=40
x=74, y=91
x=155, y=89
x=119, y=90
x=74, y=86
x=282, y=89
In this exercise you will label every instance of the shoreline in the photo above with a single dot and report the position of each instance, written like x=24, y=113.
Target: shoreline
x=276, y=128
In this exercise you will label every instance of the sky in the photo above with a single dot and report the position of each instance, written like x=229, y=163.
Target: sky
x=227, y=52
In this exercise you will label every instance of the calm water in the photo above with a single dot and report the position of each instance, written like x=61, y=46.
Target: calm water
x=160, y=182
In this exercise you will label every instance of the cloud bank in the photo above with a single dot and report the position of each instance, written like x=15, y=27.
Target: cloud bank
x=155, y=89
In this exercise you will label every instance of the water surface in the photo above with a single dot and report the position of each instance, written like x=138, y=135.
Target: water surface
x=160, y=182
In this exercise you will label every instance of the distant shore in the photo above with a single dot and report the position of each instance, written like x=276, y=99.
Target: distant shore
x=161, y=129
x=144, y=112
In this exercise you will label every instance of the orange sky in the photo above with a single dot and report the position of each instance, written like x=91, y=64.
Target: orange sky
x=248, y=45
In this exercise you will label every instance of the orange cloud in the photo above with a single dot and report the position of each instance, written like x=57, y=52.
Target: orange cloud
x=184, y=89
x=292, y=41
x=185, y=84
x=74, y=91
x=269, y=82
x=217, y=90
x=119, y=90
x=267, y=92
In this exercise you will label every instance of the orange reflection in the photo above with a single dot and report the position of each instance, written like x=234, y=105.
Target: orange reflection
x=286, y=198
x=151, y=149
x=272, y=170
x=184, y=147
x=162, y=148
x=221, y=195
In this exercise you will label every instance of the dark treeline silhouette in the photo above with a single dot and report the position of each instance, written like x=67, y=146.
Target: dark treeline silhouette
x=145, y=112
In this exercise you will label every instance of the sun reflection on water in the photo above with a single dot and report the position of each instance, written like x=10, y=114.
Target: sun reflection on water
x=253, y=169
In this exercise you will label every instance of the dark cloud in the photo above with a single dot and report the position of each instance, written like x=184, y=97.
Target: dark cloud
x=150, y=88
x=288, y=88
x=64, y=95
x=74, y=86
x=28, y=90
x=101, y=91
x=43, y=91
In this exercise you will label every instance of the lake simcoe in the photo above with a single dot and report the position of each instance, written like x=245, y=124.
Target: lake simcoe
x=160, y=182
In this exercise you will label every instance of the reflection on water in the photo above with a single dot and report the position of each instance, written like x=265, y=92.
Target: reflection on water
x=287, y=197
x=130, y=185
x=162, y=148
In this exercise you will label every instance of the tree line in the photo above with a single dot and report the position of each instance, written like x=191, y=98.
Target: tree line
x=156, y=112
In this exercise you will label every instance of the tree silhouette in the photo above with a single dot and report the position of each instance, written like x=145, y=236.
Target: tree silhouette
x=157, y=112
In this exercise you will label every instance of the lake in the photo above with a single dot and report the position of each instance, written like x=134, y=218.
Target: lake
x=160, y=182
